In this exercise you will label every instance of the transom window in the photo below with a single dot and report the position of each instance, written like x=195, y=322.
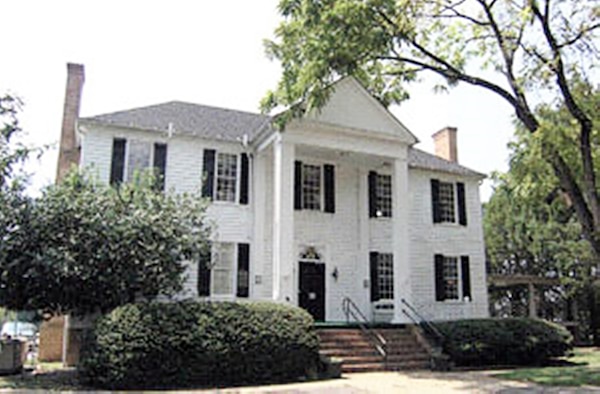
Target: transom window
x=383, y=192
x=446, y=201
x=311, y=187
x=226, y=177
x=385, y=276
x=450, y=278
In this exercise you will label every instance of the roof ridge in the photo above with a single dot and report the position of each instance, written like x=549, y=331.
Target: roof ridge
x=177, y=102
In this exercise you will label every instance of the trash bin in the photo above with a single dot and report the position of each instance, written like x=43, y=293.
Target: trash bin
x=13, y=353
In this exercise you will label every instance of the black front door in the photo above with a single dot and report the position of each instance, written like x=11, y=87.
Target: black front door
x=312, y=289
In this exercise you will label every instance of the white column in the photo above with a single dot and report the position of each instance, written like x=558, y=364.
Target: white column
x=258, y=242
x=284, y=286
x=400, y=212
x=363, y=268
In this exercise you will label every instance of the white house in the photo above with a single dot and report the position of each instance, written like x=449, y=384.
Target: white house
x=338, y=204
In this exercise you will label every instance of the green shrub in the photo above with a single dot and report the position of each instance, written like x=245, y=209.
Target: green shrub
x=514, y=341
x=159, y=345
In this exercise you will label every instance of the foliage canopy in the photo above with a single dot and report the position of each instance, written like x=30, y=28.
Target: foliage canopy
x=525, y=51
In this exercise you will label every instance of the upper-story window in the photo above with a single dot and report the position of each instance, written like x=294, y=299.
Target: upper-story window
x=227, y=171
x=311, y=187
x=314, y=187
x=448, y=202
x=132, y=156
x=225, y=176
x=380, y=195
x=452, y=278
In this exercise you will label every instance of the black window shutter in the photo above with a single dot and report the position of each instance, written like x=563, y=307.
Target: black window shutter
x=160, y=164
x=204, y=274
x=243, y=278
x=372, y=194
x=466, y=276
x=244, y=179
x=373, y=258
x=117, y=164
x=435, y=200
x=297, y=185
x=208, y=173
x=440, y=287
x=329, y=178
x=462, y=207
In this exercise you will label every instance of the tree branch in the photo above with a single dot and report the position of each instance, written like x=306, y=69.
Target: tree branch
x=589, y=175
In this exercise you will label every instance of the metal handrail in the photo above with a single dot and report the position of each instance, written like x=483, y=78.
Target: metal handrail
x=427, y=326
x=351, y=309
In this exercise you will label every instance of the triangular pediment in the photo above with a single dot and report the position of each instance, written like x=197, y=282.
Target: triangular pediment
x=351, y=106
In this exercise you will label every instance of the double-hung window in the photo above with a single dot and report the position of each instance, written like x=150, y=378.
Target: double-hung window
x=314, y=187
x=227, y=170
x=452, y=278
x=382, y=276
x=448, y=202
x=225, y=270
x=380, y=195
x=225, y=176
x=311, y=187
x=130, y=157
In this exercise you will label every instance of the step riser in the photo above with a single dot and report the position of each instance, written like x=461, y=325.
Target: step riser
x=359, y=354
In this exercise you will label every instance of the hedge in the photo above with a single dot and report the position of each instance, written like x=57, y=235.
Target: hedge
x=512, y=341
x=182, y=344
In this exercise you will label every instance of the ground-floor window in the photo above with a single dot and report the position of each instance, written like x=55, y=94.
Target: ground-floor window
x=452, y=278
x=382, y=276
x=225, y=270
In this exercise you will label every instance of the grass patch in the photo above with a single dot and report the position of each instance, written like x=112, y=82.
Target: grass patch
x=582, y=369
x=54, y=380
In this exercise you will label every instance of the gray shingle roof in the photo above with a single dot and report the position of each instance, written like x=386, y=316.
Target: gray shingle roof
x=189, y=119
x=426, y=161
x=230, y=125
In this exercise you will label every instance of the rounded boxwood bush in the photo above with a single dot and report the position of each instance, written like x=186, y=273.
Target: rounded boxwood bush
x=160, y=345
x=512, y=341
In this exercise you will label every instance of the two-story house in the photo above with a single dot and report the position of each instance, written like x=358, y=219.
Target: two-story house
x=337, y=204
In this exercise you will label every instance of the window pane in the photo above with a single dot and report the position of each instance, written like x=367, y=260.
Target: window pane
x=446, y=202
x=226, y=177
x=222, y=283
x=311, y=187
x=385, y=276
x=383, y=192
x=138, y=157
x=451, y=277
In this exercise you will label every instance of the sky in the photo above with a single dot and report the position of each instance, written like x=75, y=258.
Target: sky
x=139, y=53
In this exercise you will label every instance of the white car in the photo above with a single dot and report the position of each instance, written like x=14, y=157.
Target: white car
x=19, y=329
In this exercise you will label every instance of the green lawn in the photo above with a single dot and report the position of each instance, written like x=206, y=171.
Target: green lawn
x=583, y=370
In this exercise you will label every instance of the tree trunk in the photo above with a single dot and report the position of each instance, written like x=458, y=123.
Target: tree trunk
x=594, y=296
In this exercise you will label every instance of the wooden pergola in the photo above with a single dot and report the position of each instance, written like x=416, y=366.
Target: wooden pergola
x=531, y=281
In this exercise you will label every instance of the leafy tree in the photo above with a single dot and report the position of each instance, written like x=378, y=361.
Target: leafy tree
x=523, y=51
x=84, y=247
x=12, y=152
x=530, y=224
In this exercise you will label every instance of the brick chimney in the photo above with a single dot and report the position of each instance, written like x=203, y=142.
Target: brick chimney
x=444, y=142
x=68, y=152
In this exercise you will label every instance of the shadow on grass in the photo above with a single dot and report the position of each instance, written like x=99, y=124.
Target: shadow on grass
x=65, y=379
